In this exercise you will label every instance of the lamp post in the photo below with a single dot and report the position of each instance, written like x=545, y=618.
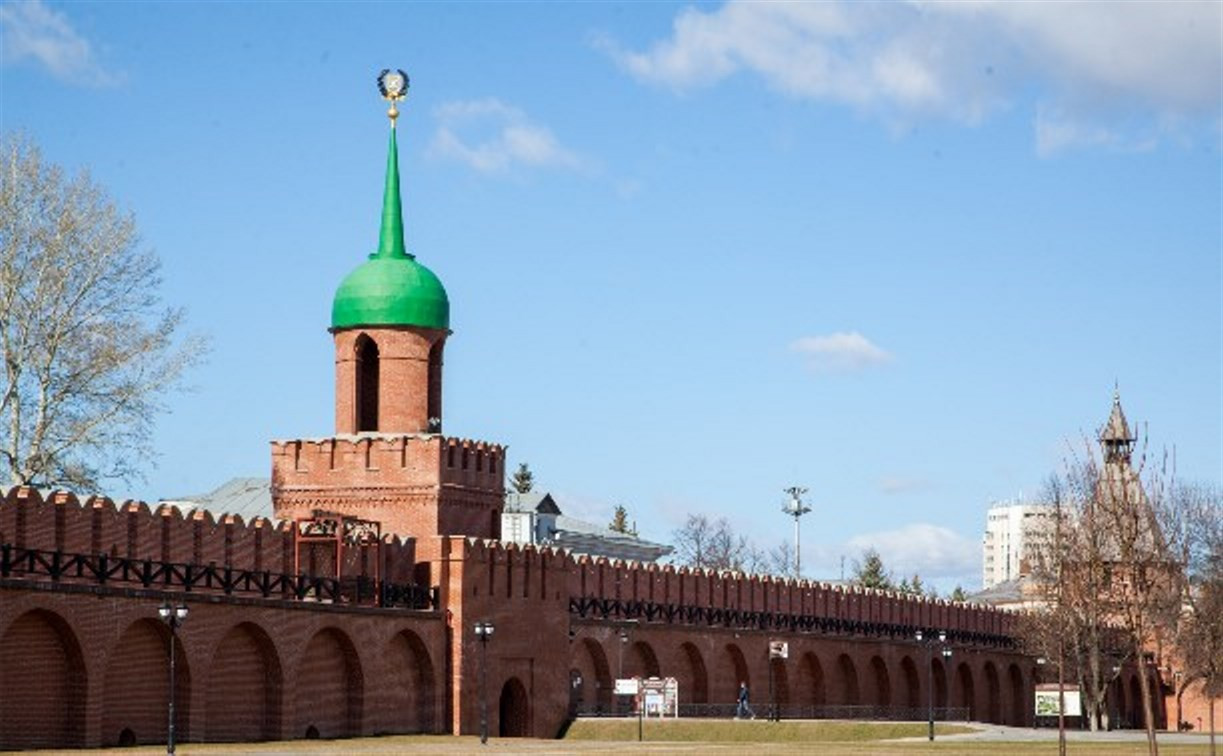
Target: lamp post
x=484, y=631
x=945, y=651
x=623, y=635
x=1061, y=703
x=173, y=616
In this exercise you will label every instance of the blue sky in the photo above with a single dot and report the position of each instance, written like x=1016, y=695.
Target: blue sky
x=896, y=253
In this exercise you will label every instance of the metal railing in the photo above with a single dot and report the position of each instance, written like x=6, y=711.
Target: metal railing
x=592, y=607
x=101, y=569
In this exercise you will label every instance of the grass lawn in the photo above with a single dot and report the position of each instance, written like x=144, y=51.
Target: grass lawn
x=692, y=737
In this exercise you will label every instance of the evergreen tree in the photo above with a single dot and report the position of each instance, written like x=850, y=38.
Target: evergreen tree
x=958, y=594
x=870, y=573
x=620, y=522
x=523, y=481
x=917, y=588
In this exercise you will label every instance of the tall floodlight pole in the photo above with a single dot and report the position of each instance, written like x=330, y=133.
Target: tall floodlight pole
x=796, y=509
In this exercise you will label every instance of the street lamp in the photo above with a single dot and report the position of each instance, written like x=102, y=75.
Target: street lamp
x=1061, y=702
x=484, y=631
x=944, y=651
x=173, y=616
x=623, y=634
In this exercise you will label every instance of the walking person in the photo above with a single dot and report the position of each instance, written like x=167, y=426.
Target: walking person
x=744, y=710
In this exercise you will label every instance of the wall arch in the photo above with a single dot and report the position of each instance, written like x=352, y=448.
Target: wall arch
x=697, y=681
x=735, y=672
x=41, y=656
x=641, y=661
x=244, y=693
x=595, y=692
x=845, y=689
x=1137, y=717
x=912, y=683
x=1017, y=715
x=329, y=690
x=883, y=682
x=993, y=694
x=137, y=687
x=514, y=710
x=781, y=681
x=966, y=691
x=938, y=674
x=413, y=683
x=811, y=683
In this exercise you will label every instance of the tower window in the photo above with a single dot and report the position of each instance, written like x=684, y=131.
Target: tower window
x=367, y=384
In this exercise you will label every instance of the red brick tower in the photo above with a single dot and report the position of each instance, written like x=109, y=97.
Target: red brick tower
x=388, y=460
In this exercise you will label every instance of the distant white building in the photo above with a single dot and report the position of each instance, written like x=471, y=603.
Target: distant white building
x=1011, y=528
x=535, y=518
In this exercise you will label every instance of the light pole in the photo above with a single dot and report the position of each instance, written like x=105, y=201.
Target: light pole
x=623, y=635
x=484, y=631
x=1061, y=702
x=945, y=652
x=173, y=616
x=796, y=509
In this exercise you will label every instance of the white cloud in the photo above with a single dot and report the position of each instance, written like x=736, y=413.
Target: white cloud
x=29, y=30
x=842, y=352
x=894, y=485
x=930, y=551
x=1089, y=61
x=493, y=137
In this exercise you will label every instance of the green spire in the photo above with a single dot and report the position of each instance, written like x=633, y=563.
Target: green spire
x=390, y=240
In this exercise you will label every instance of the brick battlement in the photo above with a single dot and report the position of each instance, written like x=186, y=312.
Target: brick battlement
x=382, y=460
x=133, y=530
x=497, y=570
x=415, y=484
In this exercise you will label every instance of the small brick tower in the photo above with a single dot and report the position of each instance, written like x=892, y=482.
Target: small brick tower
x=388, y=460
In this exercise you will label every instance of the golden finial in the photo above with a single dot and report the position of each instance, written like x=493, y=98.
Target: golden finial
x=394, y=87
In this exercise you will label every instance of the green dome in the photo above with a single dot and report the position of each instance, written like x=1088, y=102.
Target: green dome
x=391, y=288
x=391, y=291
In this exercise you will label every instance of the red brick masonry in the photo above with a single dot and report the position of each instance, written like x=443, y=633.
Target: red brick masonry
x=84, y=662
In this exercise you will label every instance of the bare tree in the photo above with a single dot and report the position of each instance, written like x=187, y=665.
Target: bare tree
x=88, y=350
x=780, y=560
x=1199, y=638
x=1111, y=571
x=713, y=545
x=1071, y=570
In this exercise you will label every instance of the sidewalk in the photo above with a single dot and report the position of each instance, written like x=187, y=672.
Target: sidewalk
x=1028, y=734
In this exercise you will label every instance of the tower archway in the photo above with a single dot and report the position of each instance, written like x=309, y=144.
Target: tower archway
x=514, y=710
